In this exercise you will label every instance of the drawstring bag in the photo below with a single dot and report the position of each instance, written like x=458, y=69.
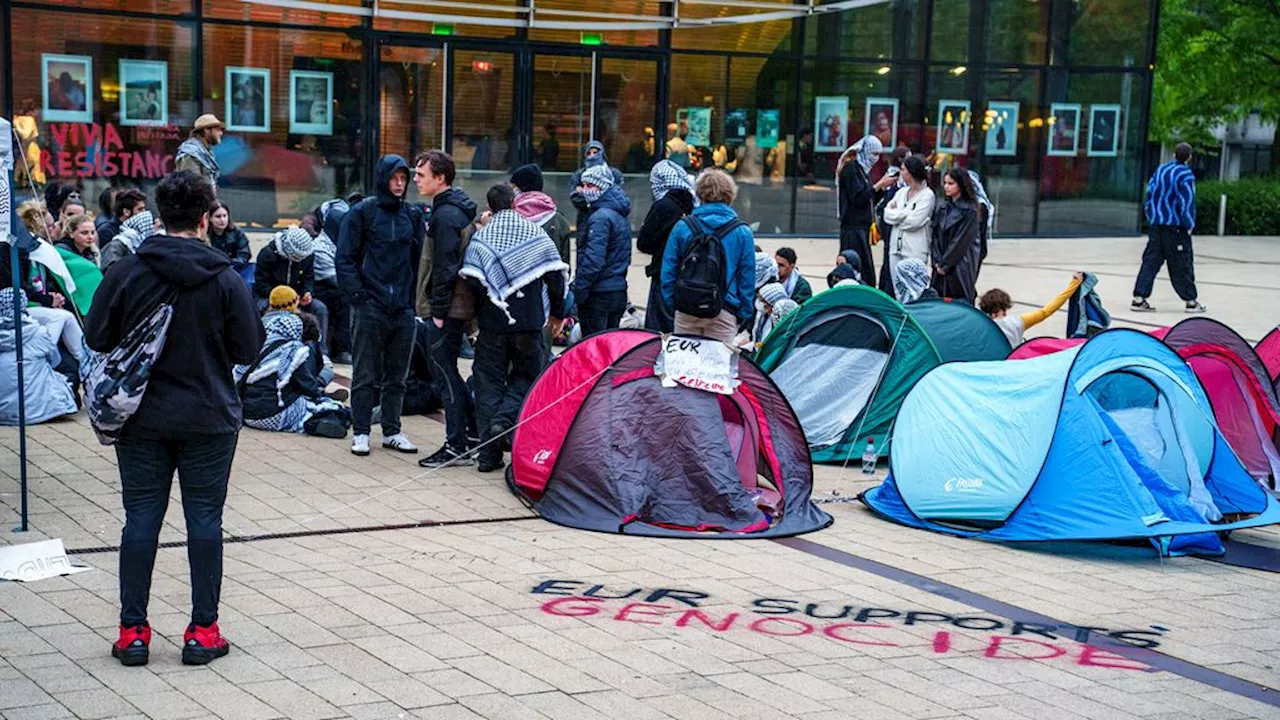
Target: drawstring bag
x=115, y=382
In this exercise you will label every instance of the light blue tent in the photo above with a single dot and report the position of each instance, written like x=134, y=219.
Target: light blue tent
x=1114, y=439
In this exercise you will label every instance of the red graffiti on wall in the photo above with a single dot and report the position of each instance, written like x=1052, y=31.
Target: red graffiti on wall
x=93, y=150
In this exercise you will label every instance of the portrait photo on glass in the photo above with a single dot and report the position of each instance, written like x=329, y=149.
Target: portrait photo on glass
x=1000, y=126
x=831, y=123
x=1064, y=129
x=248, y=92
x=68, y=88
x=699, y=124
x=311, y=102
x=882, y=121
x=768, y=122
x=144, y=93
x=953, y=127
x=1104, y=131
x=735, y=126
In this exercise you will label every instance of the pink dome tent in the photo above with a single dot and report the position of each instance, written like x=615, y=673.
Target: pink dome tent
x=1269, y=351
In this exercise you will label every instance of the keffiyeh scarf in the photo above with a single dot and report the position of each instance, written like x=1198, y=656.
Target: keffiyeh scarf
x=766, y=269
x=194, y=147
x=508, y=254
x=135, y=230
x=595, y=181
x=287, y=353
x=910, y=278
x=536, y=207
x=294, y=243
x=667, y=176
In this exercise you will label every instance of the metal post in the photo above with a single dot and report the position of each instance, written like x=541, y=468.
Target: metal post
x=22, y=395
x=1222, y=214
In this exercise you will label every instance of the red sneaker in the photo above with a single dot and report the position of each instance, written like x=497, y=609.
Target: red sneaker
x=133, y=646
x=201, y=645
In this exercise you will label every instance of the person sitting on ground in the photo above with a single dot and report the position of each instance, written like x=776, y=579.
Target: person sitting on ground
x=41, y=275
x=996, y=303
x=772, y=304
x=843, y=274
x=289, y=259
x=280, y=390
x=320, y=363
x=133, y=232
x=911, y=282
x=850, y=257
x=226, y=236
x=47, y=394
x=78, y=250
x=792, y=279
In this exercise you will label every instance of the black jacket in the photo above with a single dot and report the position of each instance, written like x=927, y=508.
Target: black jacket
x=261, y=400
x=856, y=196
x=274, y=269
x=24, y=276
x=956, y=249
x=108, y=230
x=525, y=306
x=663, y=215
x=233, y=242
x=215, y=327
x=380, y=244
x=451, y=212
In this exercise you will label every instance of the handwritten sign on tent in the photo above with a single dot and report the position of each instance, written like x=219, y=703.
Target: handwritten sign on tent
x=698, y=363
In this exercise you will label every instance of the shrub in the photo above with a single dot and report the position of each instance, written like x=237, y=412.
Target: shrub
x=1253, y=206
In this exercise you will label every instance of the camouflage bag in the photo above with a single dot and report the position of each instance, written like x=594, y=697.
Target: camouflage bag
x=114, y=382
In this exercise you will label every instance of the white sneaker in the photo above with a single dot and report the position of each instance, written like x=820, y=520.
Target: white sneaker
x=1196, y=307
x=400, y=443
x=360, y=445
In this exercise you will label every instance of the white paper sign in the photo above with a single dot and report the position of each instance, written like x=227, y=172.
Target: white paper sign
x=36, y=561
x=698, y=363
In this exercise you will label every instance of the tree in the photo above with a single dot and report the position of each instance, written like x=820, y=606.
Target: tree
x=1217, y=61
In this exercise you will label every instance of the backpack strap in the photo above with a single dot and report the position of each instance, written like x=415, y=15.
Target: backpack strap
x=262, y=355
x=723, y=231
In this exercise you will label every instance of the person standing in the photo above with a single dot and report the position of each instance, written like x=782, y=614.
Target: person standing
x=195, y=154
x=592, y=156
x=511, y=350
x=715, y=218
x=910, y=215
x=133, y=232
x=338, y=332
x=604, y=252
x=856, y=199
x=190, y=416
x=379, y=245
x=127, y=203
x=447, y=301
x=538, y=207
x=672, y=201
x=793, y=281
x=1171, y=214
x=956, y=248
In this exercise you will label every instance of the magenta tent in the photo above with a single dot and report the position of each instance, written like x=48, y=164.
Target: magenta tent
x=1269, y=352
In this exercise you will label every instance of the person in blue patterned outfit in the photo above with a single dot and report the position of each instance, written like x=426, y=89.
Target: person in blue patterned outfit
x=1171, y=215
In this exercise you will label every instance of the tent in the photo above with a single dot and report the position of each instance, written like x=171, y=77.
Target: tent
x=1111, y=440
x=845, y=360
x=602, y=445
x=1269, y=351
x=1239, y=388
x=960, y=331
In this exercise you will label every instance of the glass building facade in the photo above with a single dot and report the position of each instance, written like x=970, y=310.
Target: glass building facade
x=1047, y=99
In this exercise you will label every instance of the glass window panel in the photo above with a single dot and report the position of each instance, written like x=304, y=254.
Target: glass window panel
x=627, y=92
x=636, y=11
x=411, y=102
x=561, y=119
x=159, y=7
x=891, y=29
x=262, y=12
x=68, y=98
x=284, y=153
x=483, y=122
x=1110, y=33
x=947, y=43
x=758, y=133
x=1016, y=31
x=448, y=23
x=699, y=83
x=758, y=37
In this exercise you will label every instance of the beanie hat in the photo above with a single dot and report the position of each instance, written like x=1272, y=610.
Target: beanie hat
x=528, y=178
x=283, y=297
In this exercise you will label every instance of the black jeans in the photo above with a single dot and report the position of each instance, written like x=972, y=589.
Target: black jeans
x=602, y=311
x=858, y=239
x=459, y=410
x=147, y=463
x=339, y=330
x=505, y=367
x=1171, y=243
x=381, y=346
x=656, y=315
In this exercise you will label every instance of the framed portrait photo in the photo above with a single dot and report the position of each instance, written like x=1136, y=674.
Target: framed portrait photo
x=144, y=93
x=1001, y=129
x=735, y=126
x=953, y=127
x=882, y=121
x=767, y=125
x=698, y=120
x=1104, y=131
x=310, y=102
x=831, y=123
x=68, y=88
x=1064, y=129
x=248, y=94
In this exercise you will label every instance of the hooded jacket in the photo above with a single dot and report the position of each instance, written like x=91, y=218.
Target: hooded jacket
x=215, y=326
x=274, y=269
x=47, y=394
x=452, y=213
x=663, y=216
x=538, y=208
x=233, y=242
x=380, y=244
x=604, y=246
x=575, y=180
x=739, y=260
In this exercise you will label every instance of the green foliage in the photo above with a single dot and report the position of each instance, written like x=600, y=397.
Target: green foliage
x=1253, y=206
x=1217, y=61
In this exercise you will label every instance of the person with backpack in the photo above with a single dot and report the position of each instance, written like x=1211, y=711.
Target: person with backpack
x=183, y=425
x=379, y=245
x=709, y=268
x=672, y=201
x=604, y=252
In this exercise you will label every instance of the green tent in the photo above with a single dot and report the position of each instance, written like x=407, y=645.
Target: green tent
x=845, y=360
x=960, y=331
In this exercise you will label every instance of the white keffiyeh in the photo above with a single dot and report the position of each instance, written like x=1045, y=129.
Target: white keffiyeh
x=509, y=253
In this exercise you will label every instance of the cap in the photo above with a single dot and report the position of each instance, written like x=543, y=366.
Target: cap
x=206, y=121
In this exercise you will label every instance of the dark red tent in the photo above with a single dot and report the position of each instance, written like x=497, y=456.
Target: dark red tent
x=602, y=445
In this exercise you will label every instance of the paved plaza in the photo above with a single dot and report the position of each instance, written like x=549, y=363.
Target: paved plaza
x=371, y=588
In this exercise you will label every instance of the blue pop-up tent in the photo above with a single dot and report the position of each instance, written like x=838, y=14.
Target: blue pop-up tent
x=1111, y=440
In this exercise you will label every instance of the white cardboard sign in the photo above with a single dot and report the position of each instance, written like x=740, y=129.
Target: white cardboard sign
x=36, y=561
x=697, y=363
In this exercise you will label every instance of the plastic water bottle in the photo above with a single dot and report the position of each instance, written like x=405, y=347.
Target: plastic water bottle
x=869, y=457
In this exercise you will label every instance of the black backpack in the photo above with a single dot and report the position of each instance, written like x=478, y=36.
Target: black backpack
x=700, y=278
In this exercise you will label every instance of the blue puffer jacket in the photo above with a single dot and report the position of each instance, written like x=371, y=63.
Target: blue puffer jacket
x=47, y=393
x=379, y=245
x=604, y=246
x=739, y=257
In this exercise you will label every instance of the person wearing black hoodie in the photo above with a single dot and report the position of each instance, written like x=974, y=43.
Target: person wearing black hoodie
x=447, y=300
x=190, y=415
x=379, y=245
x=672, y=200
